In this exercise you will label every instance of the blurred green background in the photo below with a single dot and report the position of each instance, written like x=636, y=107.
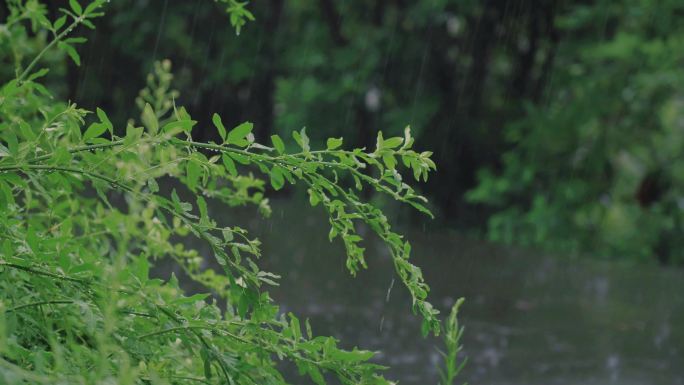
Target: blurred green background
x=555, y=124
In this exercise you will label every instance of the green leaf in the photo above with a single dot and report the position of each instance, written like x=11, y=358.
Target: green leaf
x=390, y=161
x=421, y=208
x=152, y=185
x=38, y=74
x=207, y=363
x=204, y=212
x=59, y=23
x=302, y=139
x=242, y=159
x=194, y=171
x=316, y=375
x=333, y=143
x=295, y=327
x=229, y=164
x=415, y=165
x=94, y=131
x=408, y=140
x=227, y=235
x=350, y=356
x=184, y=125
x=181, y=300
x=219, y=126
x=141, y=268
x=41, y=89
x=277, y=178
x=26, y=130
x=8, y=198
x=149, y=119
x=314, y=199
x=88, y=24
x=94, y=5
x=132, y=134
x=378, y=142
x=278, y=144
x=76, y=7
x=71, y=51
x=180, y=205
x=392, y=142
x=75, y=40
x=105, y=120
x=309, y=333
x=237, y=135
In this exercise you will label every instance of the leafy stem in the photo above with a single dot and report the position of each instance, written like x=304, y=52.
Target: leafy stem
x=78, y=20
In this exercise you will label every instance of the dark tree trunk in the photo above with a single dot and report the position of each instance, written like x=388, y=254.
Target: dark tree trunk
x=527, y=57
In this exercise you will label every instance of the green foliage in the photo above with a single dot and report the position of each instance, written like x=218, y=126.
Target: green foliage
x=599, y=169
x=452, y=337
x=86, y=211
x=560, y=111
x=239, y=14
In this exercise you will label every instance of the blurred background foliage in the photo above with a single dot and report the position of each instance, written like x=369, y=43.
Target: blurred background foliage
x=555, y=124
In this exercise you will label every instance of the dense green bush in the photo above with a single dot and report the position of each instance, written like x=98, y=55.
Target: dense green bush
x=85, y=211
x=598, y=167
x=560, y=116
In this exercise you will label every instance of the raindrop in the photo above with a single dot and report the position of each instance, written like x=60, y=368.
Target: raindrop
x=372, y=99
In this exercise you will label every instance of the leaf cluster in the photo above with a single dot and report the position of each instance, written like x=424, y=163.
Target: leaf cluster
x=86, y=209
